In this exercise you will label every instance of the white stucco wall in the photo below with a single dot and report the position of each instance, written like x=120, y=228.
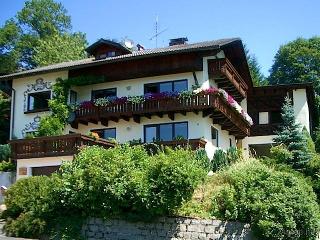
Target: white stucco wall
x=39, y=162
x=23, y=121
x=301, y=108
x=135, y=87
x=255, y=140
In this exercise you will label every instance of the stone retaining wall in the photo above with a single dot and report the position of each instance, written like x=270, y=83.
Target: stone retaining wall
x=165, y=228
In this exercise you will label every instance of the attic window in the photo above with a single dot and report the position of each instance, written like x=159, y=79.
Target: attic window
x=107, y=54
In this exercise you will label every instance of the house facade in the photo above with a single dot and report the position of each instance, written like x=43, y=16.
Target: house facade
x=198, y=94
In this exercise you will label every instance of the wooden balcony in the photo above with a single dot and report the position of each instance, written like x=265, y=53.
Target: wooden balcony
x=264, y=130
x=53, y=146
x=212, y=105
x=227, y=78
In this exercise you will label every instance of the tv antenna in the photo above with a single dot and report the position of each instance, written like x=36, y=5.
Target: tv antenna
x=157, y=33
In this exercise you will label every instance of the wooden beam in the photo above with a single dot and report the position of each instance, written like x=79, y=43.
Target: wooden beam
x=126, y=118
x=115, y=119
x=147, y=115
x=206, y=112
x=171, y=116
x=94, y=121
x=160, y=114
x=83, y=122
x=104, y=122
x=74, y=124
x=136, y=118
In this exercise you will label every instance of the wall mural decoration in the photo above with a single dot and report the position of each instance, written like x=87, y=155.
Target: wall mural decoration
x=31, y=126
x=39, y=85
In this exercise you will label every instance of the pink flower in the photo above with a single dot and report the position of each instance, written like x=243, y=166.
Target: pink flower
x=86, y=104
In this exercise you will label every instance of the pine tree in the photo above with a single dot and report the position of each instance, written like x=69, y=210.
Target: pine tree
x=291, y=136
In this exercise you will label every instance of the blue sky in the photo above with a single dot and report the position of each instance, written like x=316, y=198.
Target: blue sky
x=262, y=24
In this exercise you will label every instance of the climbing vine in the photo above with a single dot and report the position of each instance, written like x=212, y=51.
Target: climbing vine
x=54, y=123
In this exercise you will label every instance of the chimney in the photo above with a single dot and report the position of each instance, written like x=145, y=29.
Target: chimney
x=178, y=41
x=140, y=47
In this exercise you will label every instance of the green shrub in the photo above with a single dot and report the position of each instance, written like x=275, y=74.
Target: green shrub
x=30, y=202
x=281, y=154
x=125, y=180
x=50, y=126
x=279, y=205
x=171, y=178
x=222, y=159
x=5, y=152
x=7, y=166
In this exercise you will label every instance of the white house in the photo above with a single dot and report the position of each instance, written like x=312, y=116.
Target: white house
x=215, y=113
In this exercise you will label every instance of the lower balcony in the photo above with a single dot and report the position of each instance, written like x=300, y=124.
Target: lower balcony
x=215, y=105
x=53, y=146
x=67, y=145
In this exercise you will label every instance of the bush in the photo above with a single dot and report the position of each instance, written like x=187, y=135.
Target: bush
x=125, y=179
x=7, y=166
x=171, y=178
x=222, y=159
x=279, y=205
x=5, y=152
x=30, y=202
x=281, y=154
x=50, y=126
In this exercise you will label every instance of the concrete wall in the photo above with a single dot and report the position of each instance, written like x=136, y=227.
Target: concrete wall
x=6, y=179
x=166, y=228
x=301, y=108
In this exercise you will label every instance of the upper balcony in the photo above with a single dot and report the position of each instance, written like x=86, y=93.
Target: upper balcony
x=228, y=78
x=214, y=103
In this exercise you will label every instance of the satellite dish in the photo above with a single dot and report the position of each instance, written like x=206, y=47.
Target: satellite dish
x=128, y=43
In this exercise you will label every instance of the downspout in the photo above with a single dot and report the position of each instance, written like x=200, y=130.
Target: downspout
x=13, y=100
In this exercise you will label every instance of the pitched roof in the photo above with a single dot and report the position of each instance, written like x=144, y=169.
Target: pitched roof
x=216, y=44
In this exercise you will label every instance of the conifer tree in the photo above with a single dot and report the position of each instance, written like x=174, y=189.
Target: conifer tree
x=291, y=136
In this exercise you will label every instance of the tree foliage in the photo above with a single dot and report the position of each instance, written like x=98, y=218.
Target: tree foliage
x=4, y=118
x=297, y=62
x=40, y=22
x=257, y=76
x=49, y=49
x=291, y=136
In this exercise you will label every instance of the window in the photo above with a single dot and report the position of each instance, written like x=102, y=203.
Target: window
x=103, y=93
x=38, y=101
x=275, y=117
x=165, y=132
x=230, y=142
x=111, y=54
x=73, y=97
x=106, y=133
x=263, y=117
x=171, y=86
x=215, y=136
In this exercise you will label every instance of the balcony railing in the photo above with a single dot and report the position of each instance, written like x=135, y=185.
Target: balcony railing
x=228, y=78
x=66, y=145
x=210, y=104
x=265, y=129
x=53, y=146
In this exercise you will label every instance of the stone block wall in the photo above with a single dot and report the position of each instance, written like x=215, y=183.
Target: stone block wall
x=165, y=228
